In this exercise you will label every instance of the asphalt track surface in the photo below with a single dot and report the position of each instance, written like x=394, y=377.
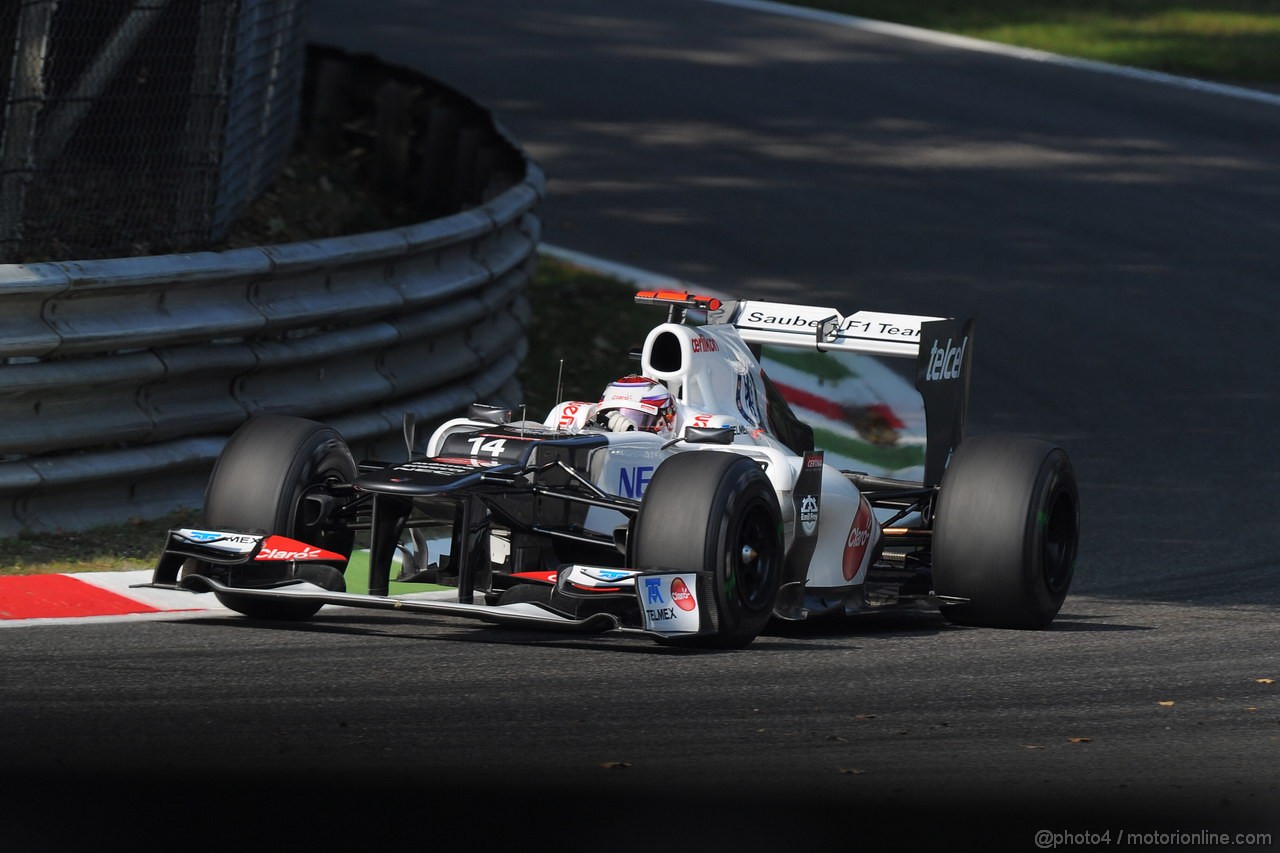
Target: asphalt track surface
x=1115, y=239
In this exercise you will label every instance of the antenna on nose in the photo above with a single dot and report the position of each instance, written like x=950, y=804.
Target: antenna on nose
x=410, y=430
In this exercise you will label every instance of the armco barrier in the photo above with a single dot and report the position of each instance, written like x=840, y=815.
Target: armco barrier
x=120, y=380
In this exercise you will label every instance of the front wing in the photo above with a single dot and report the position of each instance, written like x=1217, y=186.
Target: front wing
x=671, y=604
x=523, y=614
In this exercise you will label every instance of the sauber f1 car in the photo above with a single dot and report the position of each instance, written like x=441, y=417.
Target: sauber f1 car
x=688, y=504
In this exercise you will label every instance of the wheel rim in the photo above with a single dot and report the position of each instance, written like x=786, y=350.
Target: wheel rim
x=1058, y=552
x=754, y=559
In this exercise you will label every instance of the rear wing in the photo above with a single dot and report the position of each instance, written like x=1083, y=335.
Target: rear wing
x=941, y=346
x=809, y=327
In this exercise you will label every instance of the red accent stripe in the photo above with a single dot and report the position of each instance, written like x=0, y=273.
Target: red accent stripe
x=60, y=596
x=678, y=296
x=548, y=577
x=835, y=411
x=809, y=401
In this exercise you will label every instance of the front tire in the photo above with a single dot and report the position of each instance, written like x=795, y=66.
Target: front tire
x=259, y=482
x=718, y=512
x=1006, y=532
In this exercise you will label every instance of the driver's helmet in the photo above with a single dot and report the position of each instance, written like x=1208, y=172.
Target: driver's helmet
x=636, y=403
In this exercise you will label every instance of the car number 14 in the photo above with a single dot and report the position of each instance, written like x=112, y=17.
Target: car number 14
x=493, y=448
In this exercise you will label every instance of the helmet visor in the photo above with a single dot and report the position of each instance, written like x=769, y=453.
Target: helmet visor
x=642, y=420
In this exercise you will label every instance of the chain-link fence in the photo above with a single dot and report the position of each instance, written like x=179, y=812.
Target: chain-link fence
x=140, y=126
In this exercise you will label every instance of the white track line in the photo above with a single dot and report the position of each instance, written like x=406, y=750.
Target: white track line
x=164, y=600
x=981, y=46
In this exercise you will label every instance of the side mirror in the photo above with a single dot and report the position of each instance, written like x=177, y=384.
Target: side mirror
x=709, y=435
x=490, y=414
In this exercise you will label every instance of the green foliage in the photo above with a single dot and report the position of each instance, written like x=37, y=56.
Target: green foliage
x=591, y=322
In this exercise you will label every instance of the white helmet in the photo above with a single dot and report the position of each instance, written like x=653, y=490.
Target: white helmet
x=636, y=403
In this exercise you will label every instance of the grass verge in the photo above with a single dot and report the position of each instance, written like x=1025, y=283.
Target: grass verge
x=1235, y=41
x=111, y=548
x=585, y=326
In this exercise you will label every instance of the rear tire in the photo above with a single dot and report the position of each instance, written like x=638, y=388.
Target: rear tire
x=718, y=512
x=1006, y=532
x=258, y=483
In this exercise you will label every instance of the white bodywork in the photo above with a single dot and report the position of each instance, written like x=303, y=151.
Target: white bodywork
x=717, y=382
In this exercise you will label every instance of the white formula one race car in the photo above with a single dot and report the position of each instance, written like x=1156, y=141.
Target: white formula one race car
x=688, y=503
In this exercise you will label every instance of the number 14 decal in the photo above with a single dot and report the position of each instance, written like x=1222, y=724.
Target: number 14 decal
x=493, y=448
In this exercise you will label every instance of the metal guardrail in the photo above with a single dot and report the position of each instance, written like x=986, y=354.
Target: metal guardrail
x=120, y=380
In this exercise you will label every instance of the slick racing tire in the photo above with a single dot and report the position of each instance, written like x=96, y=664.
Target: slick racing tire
x=1005, y=532
x=715, y=511
x=258, y=483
